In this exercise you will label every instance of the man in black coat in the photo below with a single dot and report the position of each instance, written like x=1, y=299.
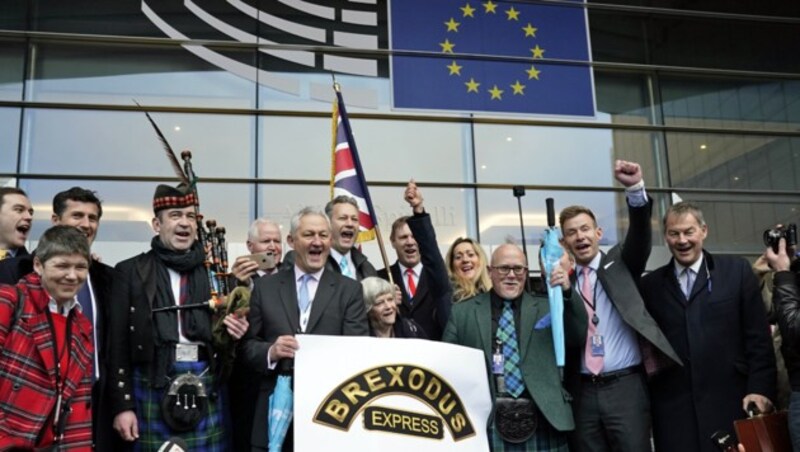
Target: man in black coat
x=419, y=271
x=710, y=309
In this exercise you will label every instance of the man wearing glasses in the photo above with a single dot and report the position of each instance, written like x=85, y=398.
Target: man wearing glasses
x=513, y=328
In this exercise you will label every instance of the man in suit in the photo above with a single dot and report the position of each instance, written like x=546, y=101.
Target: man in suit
x=263, y=237
x=16, y=216
x=151, y=346
x=344, y=256
x=82, y=209
x=606, y=375
x=309, y=298
x=513, y=328
x=710, y=309
x=419, y=271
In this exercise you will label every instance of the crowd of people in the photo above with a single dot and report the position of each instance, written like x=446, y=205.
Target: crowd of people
x=125, y=358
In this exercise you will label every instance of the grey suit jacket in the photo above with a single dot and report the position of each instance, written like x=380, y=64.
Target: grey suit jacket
x=619, y=273
x=337, y=310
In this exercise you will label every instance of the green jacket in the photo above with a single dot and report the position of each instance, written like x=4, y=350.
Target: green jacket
x=470, y=325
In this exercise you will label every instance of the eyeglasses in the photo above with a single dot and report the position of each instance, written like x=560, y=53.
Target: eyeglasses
x=505, y=269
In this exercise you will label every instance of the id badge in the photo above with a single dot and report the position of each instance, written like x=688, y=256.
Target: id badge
x=598, y=348
x=498, y=363
x=186, y=353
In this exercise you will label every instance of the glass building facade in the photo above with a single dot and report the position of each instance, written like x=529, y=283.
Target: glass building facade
x=707, y=99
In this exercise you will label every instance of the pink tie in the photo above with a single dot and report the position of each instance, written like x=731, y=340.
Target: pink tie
x=593, y=363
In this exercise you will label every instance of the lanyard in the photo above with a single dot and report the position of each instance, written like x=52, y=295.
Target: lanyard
x=58, y=426
x=593, y=304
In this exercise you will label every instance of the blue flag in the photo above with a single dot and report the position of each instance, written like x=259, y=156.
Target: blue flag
x=473, y=41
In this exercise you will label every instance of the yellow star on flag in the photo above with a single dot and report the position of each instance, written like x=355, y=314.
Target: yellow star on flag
x=455, y=69
x=447, y=46
x=533, y=73
x=496, y=93
x=452, y=25
x=512, y=14
x=538, y=52
x=489, y=7
x=472, y=85
x=518, y=88
x=468, y=10
x=529, y=30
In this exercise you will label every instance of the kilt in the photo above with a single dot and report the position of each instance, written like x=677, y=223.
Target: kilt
x=546, y=439
x=209, y=436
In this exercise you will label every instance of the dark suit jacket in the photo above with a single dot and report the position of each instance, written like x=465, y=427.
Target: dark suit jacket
x=101, y=275
x=337, y=310
x=430, y=306
x=722, y=336
x=470, y=324
x=364, y=268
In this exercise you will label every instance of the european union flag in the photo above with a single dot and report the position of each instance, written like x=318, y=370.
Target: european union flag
x=464, y=32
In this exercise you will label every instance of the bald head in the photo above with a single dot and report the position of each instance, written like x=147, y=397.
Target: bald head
x=507, y=260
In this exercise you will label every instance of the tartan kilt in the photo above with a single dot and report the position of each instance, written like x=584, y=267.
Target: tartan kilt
x=546, y=439
x=209, y=436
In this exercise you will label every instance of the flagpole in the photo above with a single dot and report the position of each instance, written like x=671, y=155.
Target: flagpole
x=368, y=200
x=383, y=253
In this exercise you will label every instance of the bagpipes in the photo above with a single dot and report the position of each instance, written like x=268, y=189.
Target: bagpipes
x=212, y=239
x=215, y=246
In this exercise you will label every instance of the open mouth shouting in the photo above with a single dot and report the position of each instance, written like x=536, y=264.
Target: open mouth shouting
x=22, y=231
x=347, y=237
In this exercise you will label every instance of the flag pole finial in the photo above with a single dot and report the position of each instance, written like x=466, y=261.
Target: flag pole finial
x=335, y=83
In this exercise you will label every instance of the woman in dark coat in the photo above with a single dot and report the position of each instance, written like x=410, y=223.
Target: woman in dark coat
x=384, y=321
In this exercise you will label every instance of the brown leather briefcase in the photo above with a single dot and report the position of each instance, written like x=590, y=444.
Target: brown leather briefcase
x=764, y=432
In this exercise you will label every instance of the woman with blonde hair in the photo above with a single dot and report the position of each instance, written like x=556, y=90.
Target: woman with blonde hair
x=468, y=269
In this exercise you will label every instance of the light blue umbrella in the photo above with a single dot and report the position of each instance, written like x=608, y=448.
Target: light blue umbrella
x=551, y=253
x=281, y=410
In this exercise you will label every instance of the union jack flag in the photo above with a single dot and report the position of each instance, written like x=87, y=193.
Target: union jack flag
x=347, y=176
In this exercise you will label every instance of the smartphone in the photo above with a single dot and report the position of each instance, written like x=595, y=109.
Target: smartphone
x=266, y=262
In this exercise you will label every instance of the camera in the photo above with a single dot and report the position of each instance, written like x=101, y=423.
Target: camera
x=774, y=235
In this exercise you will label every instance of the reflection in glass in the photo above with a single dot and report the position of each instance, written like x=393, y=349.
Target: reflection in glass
x=12, y=63
x=731, y=103
x=559, y=156
x=300, y=148
x=125, y=144
x=741, y=162
x=9, y=139
x=116, y=74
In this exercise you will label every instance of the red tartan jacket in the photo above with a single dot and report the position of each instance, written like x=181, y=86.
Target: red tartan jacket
x=27, y=371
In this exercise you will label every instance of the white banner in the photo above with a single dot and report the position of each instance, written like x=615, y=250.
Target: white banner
x=364, y=393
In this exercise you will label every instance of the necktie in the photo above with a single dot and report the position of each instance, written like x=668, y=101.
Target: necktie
x=593, y=363
x=688, y=282
x=3, y=254
x=412, y=288
x=345, y=267
x=303, y=300
x=507, y=335
x=85, y=300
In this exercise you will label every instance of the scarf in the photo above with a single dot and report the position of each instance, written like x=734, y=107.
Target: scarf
x=195, y=323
